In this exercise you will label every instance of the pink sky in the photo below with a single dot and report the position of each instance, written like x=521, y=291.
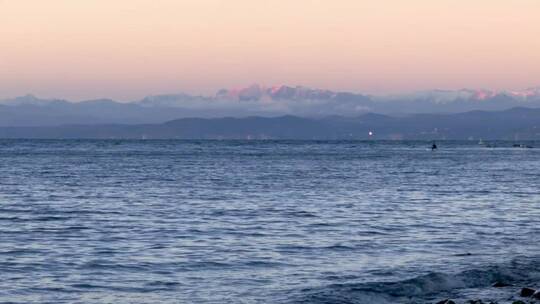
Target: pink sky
x=126, y=49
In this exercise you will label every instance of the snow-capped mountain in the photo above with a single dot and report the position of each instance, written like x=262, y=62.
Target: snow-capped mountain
x=256, y=92
x=257, y=100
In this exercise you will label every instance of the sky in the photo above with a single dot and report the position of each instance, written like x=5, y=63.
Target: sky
x=127, y=49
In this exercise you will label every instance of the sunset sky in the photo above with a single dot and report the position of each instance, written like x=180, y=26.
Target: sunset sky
x=126, y=49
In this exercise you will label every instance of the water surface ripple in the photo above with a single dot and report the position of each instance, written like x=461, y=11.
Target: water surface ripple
x=258, y=221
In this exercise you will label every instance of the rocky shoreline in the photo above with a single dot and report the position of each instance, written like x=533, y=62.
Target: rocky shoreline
x=525, y=295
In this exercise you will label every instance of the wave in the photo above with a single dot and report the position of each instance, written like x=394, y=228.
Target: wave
x=428, y=288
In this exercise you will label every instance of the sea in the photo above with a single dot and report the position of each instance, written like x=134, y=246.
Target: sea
x=224, y=221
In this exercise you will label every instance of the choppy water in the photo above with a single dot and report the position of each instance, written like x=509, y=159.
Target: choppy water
x=264, y=222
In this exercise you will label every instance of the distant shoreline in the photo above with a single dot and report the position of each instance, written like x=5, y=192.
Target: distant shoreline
x=517, y=124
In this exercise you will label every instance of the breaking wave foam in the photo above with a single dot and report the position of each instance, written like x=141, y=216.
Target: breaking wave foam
x=425, y=288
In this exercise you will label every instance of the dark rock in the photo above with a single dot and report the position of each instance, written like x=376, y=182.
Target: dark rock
x=447, y=301
x=500, y=284
x=527, y=292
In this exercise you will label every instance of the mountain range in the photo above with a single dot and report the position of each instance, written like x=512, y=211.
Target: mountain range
x=255, y=100
x=511, y=124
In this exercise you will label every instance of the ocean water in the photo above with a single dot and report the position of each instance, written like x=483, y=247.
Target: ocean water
x=265, y=221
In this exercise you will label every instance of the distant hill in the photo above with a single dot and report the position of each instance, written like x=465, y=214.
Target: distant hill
x=255, y=100
x=516, y=123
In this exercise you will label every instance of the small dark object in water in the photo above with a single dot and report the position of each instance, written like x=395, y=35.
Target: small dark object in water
x=433, y=147
x=526, y=292
x=500, y=284
x=536, y=295
x=518, y=302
